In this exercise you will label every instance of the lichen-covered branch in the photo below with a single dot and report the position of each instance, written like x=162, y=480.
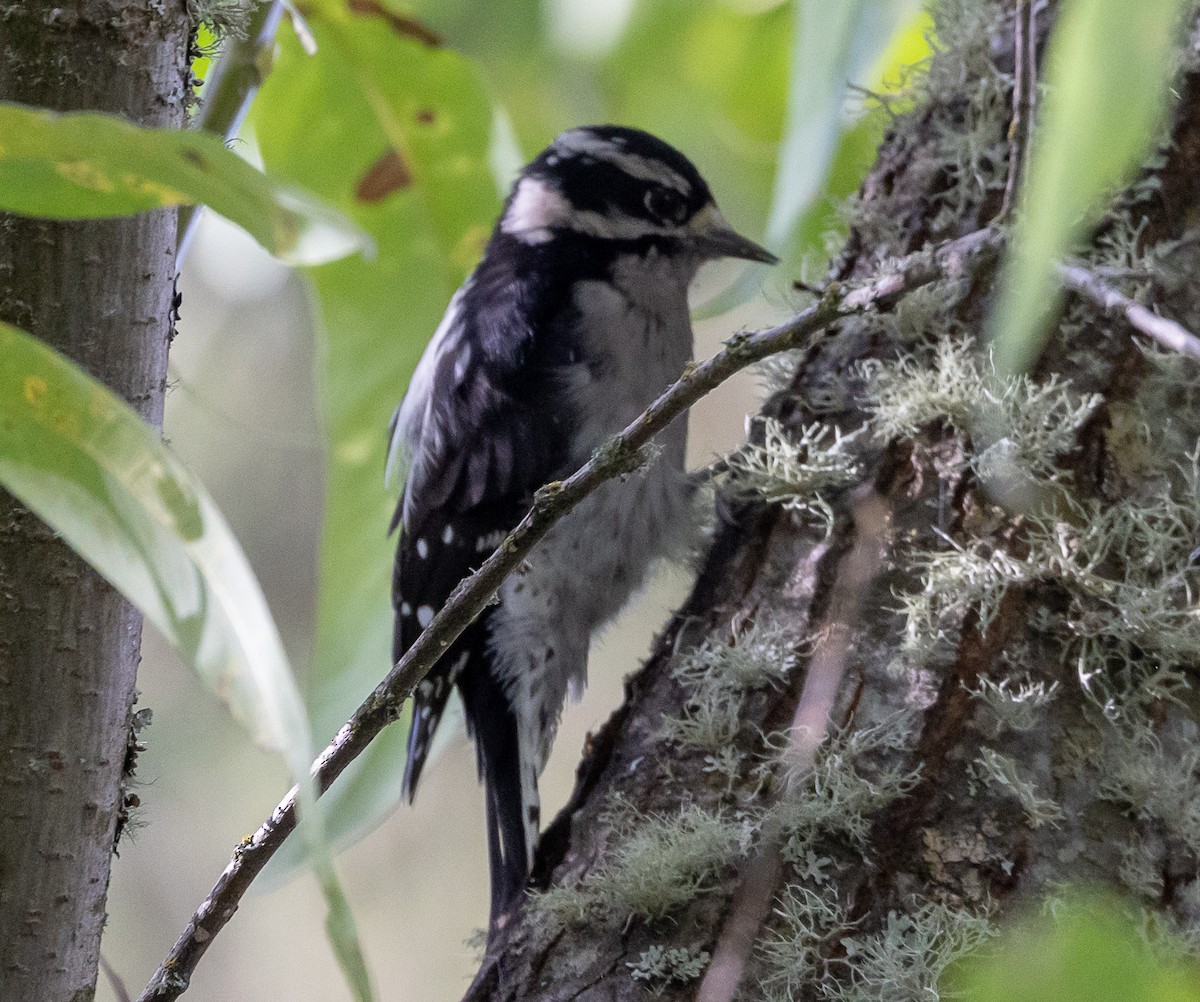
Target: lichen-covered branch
x=1171, y=335
x=622, y=455
x=1017, y=709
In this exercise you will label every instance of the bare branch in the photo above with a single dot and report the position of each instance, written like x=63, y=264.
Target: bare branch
x=1166, y=332
x=232, y=84
x=1024, y=97
x=621, y=455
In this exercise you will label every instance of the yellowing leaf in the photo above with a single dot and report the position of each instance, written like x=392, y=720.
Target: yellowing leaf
x=84, y=165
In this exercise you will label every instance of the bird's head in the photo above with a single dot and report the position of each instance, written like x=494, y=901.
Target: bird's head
x=612, y=183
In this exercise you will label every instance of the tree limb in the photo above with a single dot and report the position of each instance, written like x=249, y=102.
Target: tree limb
x=232, y=83
x=622, y=455
x=1166, y=332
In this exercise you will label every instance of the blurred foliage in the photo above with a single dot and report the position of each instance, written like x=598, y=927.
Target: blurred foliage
x=84, y=166
x=86, y=463
x=395, y=133
x=1083, y=950
x=1107, y=76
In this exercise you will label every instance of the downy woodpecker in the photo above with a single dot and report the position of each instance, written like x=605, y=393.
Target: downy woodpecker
x=575, y=319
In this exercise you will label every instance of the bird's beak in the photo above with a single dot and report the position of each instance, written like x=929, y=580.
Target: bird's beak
x=714, y=238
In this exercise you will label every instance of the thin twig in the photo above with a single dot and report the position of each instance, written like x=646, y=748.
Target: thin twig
x=1166, y=332
x=621, y=455
x=1020, y=127
x=229, y=91
x=811, y=724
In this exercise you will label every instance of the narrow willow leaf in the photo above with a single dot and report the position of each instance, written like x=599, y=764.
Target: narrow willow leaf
x=86, y=165
x=1108, y=69
x=81, y=459
x=825, y=151
x=341, y=930
x=836, y=45
x=395, y=133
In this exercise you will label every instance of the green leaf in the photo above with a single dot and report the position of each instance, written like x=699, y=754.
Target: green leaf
x=85, y=165
x=83, y=461
x=340, y=927
x=825, y=152
x=396, y=134
x=1108, y=70
x=1087, y=952
x=835, y=44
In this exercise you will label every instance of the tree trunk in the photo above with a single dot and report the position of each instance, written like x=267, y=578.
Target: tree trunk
x=1003, y=599
x=100, y=292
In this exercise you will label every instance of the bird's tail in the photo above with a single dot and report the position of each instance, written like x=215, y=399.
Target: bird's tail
x=511, y=820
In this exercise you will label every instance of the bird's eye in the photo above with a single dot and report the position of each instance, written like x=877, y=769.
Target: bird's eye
x=666, y=205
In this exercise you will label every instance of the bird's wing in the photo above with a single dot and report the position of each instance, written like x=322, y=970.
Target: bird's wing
x=468, y=431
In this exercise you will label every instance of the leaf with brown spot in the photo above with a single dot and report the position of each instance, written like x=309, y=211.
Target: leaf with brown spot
x=84, y=165
x=388, y=174
x=410, y=27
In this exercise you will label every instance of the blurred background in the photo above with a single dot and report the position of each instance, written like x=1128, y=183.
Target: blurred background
x=242, y=415
x=282, y=382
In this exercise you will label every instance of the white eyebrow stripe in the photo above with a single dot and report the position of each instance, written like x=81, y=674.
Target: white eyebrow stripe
x=643, y=168
x=537, y=209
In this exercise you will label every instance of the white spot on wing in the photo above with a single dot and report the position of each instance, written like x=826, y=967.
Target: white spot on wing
x=422, y=549
x=424, y=615
x=462, y=363
x=405, y=609
x=448, y=535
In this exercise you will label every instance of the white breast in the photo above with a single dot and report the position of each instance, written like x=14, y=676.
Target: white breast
x=639, y=339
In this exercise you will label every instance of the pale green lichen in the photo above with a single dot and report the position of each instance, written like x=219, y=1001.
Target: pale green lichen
x=1014, y=703
x=657, y=865
x=902, y=961
x=1129, y=621
x=794, y=953
x=794, y=468
x=660, y=966
x=718, y=677
x=1152, y=784
x=905, y=960
x=1020, y=428
x=855, y=775
x=1000, y=774
x=224, y=18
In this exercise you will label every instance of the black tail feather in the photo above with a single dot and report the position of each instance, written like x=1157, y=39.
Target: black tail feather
x=494, y=728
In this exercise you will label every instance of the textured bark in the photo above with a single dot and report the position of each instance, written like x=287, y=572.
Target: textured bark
x=101, y=292
x=954, y=839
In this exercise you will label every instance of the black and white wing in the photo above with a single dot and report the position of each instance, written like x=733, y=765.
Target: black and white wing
x=472, y=435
